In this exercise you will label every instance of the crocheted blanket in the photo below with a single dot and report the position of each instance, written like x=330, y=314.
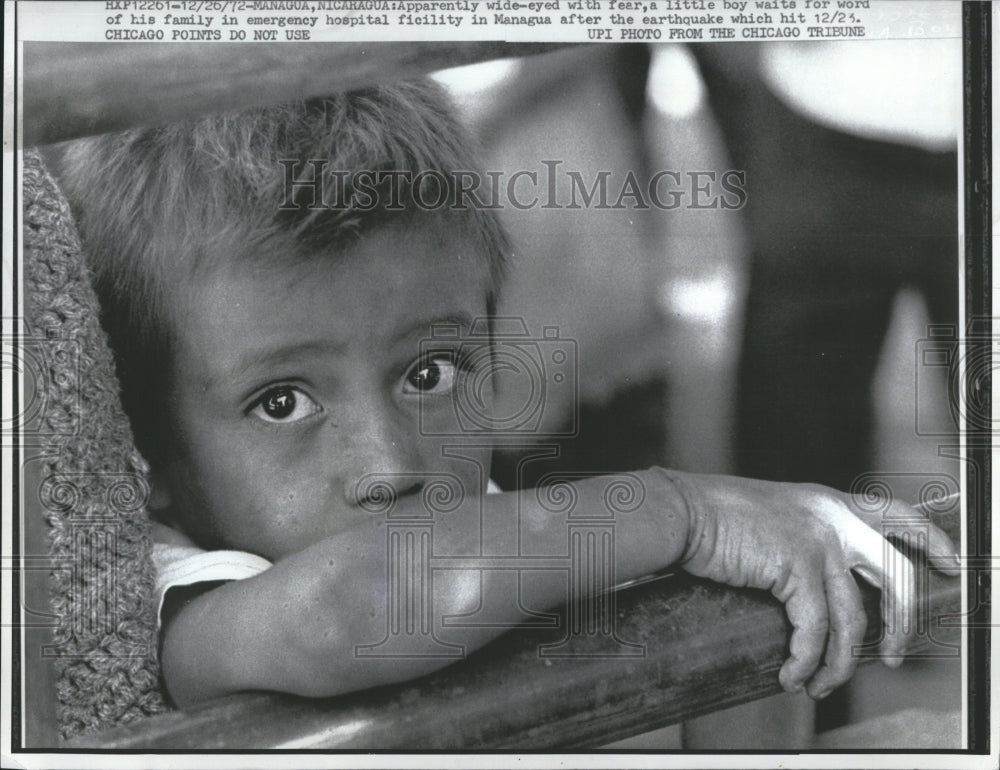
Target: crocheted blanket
x=94, y=483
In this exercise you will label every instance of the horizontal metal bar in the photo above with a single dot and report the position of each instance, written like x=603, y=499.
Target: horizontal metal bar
x=702, y=647
x=80, y=89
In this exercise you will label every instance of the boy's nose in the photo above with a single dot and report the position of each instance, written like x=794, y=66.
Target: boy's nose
x=379, y=455
x=373, y=492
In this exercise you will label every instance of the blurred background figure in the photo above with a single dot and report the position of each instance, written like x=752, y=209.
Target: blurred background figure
x=852, y=221
x=776, y=341
x=592, y=272
x=852, y=181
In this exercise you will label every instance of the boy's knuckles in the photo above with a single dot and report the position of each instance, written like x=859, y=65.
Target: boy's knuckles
x=817, y=627
x=808, y=489
x=819, y=498
x=811, y=557
x=851, y=624
x=814, y=529
x=833, y=674
x=809, y=638
x=793, y=674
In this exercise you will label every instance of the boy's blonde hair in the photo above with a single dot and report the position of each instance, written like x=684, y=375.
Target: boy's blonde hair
x=157, y=205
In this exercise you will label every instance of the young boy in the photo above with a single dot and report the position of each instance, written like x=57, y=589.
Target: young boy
x=269, y=353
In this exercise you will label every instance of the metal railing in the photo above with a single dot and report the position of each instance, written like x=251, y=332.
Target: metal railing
x=706, y=647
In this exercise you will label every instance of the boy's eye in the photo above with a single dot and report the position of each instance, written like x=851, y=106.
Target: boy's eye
x=284, y=404
x=433, y=375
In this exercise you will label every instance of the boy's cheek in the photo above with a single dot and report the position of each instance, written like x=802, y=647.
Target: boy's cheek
x=275, y=500
x=465, y=458
x=289, y=517
x=441, y=417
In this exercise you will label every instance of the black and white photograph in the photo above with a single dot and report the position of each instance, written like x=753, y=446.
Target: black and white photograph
x=565, y=383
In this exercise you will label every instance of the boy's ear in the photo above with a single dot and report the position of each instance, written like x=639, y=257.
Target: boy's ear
x=159, y=493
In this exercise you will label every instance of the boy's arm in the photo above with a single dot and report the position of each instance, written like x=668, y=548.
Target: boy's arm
x=294, y=628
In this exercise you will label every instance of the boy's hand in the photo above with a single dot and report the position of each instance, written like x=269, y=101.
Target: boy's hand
x=801, y=542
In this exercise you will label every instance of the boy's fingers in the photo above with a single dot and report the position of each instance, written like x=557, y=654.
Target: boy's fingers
x=807, y=612
x=941, y=552
x=899, y=606
x=895, y=577
x=847, y=629
x=878, y=562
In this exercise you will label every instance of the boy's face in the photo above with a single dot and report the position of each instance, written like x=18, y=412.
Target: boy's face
x=293, y=381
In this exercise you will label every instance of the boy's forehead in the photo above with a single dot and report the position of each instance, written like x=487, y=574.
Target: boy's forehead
x=405, y=247
x=390, y=282
x=405, y=269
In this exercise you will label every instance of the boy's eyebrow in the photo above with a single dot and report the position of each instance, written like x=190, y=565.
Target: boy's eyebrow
x=268, y=357
x=426, y=326
x=265, y=358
